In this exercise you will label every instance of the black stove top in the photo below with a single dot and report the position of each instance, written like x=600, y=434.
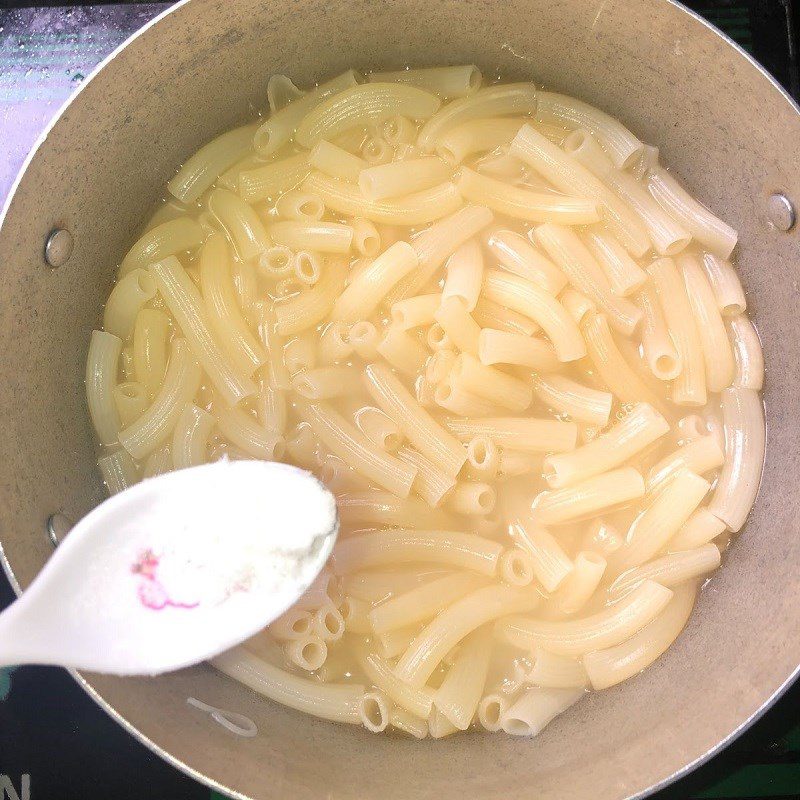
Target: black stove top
x=55, y=744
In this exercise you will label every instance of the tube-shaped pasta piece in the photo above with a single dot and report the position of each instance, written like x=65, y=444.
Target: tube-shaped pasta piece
x=404, y=546
x=516, y=254
x=612, y=368
x=334, y=343
x=483, y=456
x=525, y=204
x=462, y=688
x=128, y=296
x=373, y=509
x=661, y=520
x=711, y=333
x=157, y=463
x=623, y=274
x=423, y=602
x=280, y=92
x=431, y=483
x=589, y=497
x=313, y=305
x=451, y=395
x=725, y=284
x=364, y=338
x=573, y=258
x=130, y=399
x=572, y=178
x=525, y=434
x=477, y=136
x=659, y=349
x=491, y=709
x=337, y=702
x=119, y=471
x=735, y=492
x=639, y=429
x=668, y=236
x=323, y=237
x=366, y=291
x=276, y=261
x=647, y=161
x=336, y=162
x=747, y=353
x=398, y=178
x=613, y=664
x=501, y=347
x=489, y=314
x=245, y=432
x=415, y=312
x=166, y=239
x=516, y=567
x=577, y=304
x=200, y=170
x=434, y=245
x=669, y=570
x=529, y=299
x=404, y=721
x=348, y=443
x=181, y=382
x=701, y=527
x=400, y=132
x=271, y=180
x=472, y=497
x=101, y=378
x=323, y=383
x=184, y=301
x=689, y=388
x=581, y=583
x=502, y=165
x=376, y=586
x=536, y=708
x=224, y=315
x=582, y=403
x=292, y=624
x=419, y=208
x=361, y=105
x=241, y=223
x=402, y=350
x=417, y=701
x=550, y=671
x=708, y=229
x=366, y=239
x=601, y=537
x=150, y=340
x=606, y=628
x=698, y=455
x=551, y=565
x=432, y=644
x=490, y=383
x=559, y=109
x=300, y=206
x=459, y=326
x=586, y=150
x=421, y=430
x=378, y=428
x=300, y=353
x=279, y=127
x=493, y=101
x=464, y=275
x=439, y=726
x=190, y=437
x=448, y=82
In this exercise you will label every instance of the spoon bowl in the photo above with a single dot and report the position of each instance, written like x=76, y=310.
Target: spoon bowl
x=175, y=570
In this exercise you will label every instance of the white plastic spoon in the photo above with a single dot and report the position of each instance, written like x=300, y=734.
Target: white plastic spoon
x=174, y=570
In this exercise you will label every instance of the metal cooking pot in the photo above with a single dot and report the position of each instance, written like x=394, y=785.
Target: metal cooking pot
x=724, y=126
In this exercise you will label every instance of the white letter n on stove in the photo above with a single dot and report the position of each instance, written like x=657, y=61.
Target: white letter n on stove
x=10, y=793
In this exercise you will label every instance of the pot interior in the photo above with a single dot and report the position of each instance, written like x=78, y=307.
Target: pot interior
x=728, y=133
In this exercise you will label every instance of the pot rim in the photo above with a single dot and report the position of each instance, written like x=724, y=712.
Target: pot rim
x=136, y=732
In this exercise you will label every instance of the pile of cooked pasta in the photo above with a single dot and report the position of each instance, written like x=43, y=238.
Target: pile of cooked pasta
x=504, y=336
